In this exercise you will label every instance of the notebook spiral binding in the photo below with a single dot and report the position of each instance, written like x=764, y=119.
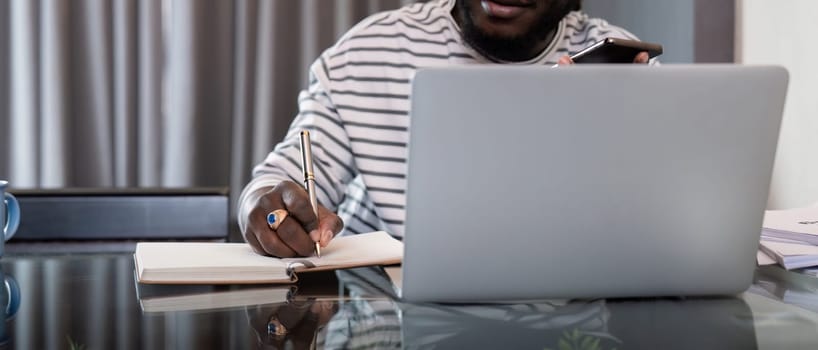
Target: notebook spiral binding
x=297, y=263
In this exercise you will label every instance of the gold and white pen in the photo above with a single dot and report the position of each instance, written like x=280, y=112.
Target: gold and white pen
x=309, y=177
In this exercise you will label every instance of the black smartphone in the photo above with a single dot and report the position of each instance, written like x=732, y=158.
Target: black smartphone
x=615, y=50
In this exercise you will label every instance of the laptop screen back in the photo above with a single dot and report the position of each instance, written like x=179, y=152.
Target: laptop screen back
x=583, y=182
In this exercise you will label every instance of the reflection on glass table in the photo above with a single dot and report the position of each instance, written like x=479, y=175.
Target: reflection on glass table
x=359, y=321
x=91, y=301
x=790, y=287
x=363, y=315
x=718, y=323
x=9, y=303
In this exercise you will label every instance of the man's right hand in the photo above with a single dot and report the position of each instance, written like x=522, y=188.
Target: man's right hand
x=295, y=323
x=297, y=233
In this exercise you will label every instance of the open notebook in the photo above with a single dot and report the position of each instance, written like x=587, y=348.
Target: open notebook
x=236, y=263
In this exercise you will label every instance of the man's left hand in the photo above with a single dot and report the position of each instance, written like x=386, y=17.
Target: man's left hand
x=641, y=58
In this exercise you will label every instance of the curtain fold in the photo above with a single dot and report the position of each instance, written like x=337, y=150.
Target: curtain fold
x=148, y=85
x=197, y=117
x=53, y=86
x=4, y=86
x=125, y=97
x=23, y=93
x=91, y=95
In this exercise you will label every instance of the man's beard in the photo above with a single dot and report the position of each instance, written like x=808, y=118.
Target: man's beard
x=516, y=48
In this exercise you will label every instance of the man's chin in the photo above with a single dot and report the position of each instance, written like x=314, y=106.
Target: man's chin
x=500, y=30
x=506, y=39
x=502, y=48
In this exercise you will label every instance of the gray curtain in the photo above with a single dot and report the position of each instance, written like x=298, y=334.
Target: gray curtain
x=155, y=93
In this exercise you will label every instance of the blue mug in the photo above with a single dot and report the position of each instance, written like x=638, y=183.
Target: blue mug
x=9, y=215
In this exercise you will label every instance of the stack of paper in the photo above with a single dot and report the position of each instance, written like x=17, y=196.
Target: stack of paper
x=790, y=254
x=799, y=224
x=790, y=238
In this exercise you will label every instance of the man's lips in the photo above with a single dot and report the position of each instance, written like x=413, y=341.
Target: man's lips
x=504, y=10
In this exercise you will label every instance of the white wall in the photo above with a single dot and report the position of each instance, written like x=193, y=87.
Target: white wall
x=785, y=32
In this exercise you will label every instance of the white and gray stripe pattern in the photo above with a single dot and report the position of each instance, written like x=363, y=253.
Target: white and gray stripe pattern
x=357, y=103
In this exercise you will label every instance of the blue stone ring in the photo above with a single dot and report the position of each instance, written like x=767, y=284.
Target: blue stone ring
x=275, y=217
x=275, y=328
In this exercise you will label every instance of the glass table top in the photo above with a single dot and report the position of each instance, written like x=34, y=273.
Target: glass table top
x=91, y=301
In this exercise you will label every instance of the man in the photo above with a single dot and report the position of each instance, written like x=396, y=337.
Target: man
x=356, y=107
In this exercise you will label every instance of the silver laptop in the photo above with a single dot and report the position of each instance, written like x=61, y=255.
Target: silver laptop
x=588, y=181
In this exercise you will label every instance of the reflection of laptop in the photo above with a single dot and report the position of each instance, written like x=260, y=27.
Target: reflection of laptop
x=582, y=182
x=695, y=323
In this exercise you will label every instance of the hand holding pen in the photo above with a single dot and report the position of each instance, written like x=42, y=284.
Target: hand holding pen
x=287, y=221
